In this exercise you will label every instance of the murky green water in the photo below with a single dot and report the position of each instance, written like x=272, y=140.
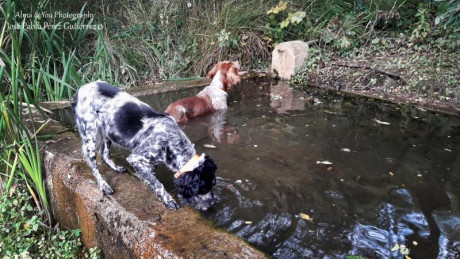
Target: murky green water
x=321, y=176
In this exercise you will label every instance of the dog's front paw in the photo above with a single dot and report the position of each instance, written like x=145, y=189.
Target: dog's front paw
x=172, y=205
x=105, y=188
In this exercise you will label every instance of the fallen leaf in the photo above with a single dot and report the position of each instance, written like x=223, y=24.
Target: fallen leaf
x=325, y=162
x=404, y=250
x=346, y=149
x=248, y=222
x=209, y=146
x=329, y=169
x=305, y=216
x=381, y=122
x=391, y=173
x=395, y=248
x=414, y=243
x=12, y=189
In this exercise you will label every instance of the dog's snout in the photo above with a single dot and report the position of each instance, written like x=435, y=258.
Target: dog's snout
x=205, y=201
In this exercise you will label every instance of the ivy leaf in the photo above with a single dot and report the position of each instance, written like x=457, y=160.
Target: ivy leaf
x=297, y=17
x=284, y=23
x=344, y=42
x=277, y=9
x=375, y=41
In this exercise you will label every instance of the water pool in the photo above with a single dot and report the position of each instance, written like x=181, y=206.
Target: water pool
x=321, y=175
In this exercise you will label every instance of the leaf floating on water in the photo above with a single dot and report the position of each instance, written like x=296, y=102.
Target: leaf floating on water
x=248, y=222
x=404, y=250
x=329, y=112
x=395, y=248
x=209, y=146
x=344, y=149
x=305, y=216
x=381, y=122
x=325, y=162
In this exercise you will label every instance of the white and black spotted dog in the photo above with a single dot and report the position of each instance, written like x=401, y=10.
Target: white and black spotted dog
x=105, y=115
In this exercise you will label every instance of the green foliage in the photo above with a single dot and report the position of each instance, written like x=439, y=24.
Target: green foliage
x=448, y=14
x=23, y=234
x=281, y=23
x=311, y=65
x=422, y=28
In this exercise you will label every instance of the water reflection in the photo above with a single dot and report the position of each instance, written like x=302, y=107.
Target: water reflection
x=283, y=98
x=220, y=130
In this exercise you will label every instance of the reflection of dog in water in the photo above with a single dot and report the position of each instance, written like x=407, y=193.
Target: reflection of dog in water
x=212, y=98
x=219, y=129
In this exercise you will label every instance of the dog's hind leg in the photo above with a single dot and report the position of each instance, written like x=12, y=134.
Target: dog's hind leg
x=145, y=171
x=105, y=154
x=89, y=134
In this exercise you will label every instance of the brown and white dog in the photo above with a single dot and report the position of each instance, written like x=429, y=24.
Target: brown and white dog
x=212, y=98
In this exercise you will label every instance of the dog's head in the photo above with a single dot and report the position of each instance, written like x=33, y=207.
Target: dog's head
x=228, y=73
x=196, y=186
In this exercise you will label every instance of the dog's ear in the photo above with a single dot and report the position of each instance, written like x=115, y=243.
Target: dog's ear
x=232, y=76
x=213, y=71
x=188, y=184
x=198, y=181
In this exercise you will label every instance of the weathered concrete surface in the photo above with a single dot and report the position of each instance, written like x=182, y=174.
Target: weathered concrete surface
x=287, y=56
x=131, y=223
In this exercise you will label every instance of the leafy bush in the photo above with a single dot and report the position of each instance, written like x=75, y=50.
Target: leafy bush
x=23, y=234
x=281, y=23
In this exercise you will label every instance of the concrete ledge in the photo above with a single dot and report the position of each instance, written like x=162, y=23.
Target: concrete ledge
x=164, y=87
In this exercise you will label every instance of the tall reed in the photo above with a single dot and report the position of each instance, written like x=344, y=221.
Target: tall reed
x=36, y=64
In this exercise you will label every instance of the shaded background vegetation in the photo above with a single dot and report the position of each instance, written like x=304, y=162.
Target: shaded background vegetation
x=143, y=41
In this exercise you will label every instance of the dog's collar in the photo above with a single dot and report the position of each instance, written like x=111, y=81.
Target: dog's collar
x=193, y=163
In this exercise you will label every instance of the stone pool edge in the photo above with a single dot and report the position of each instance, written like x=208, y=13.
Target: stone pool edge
x=163, y=87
